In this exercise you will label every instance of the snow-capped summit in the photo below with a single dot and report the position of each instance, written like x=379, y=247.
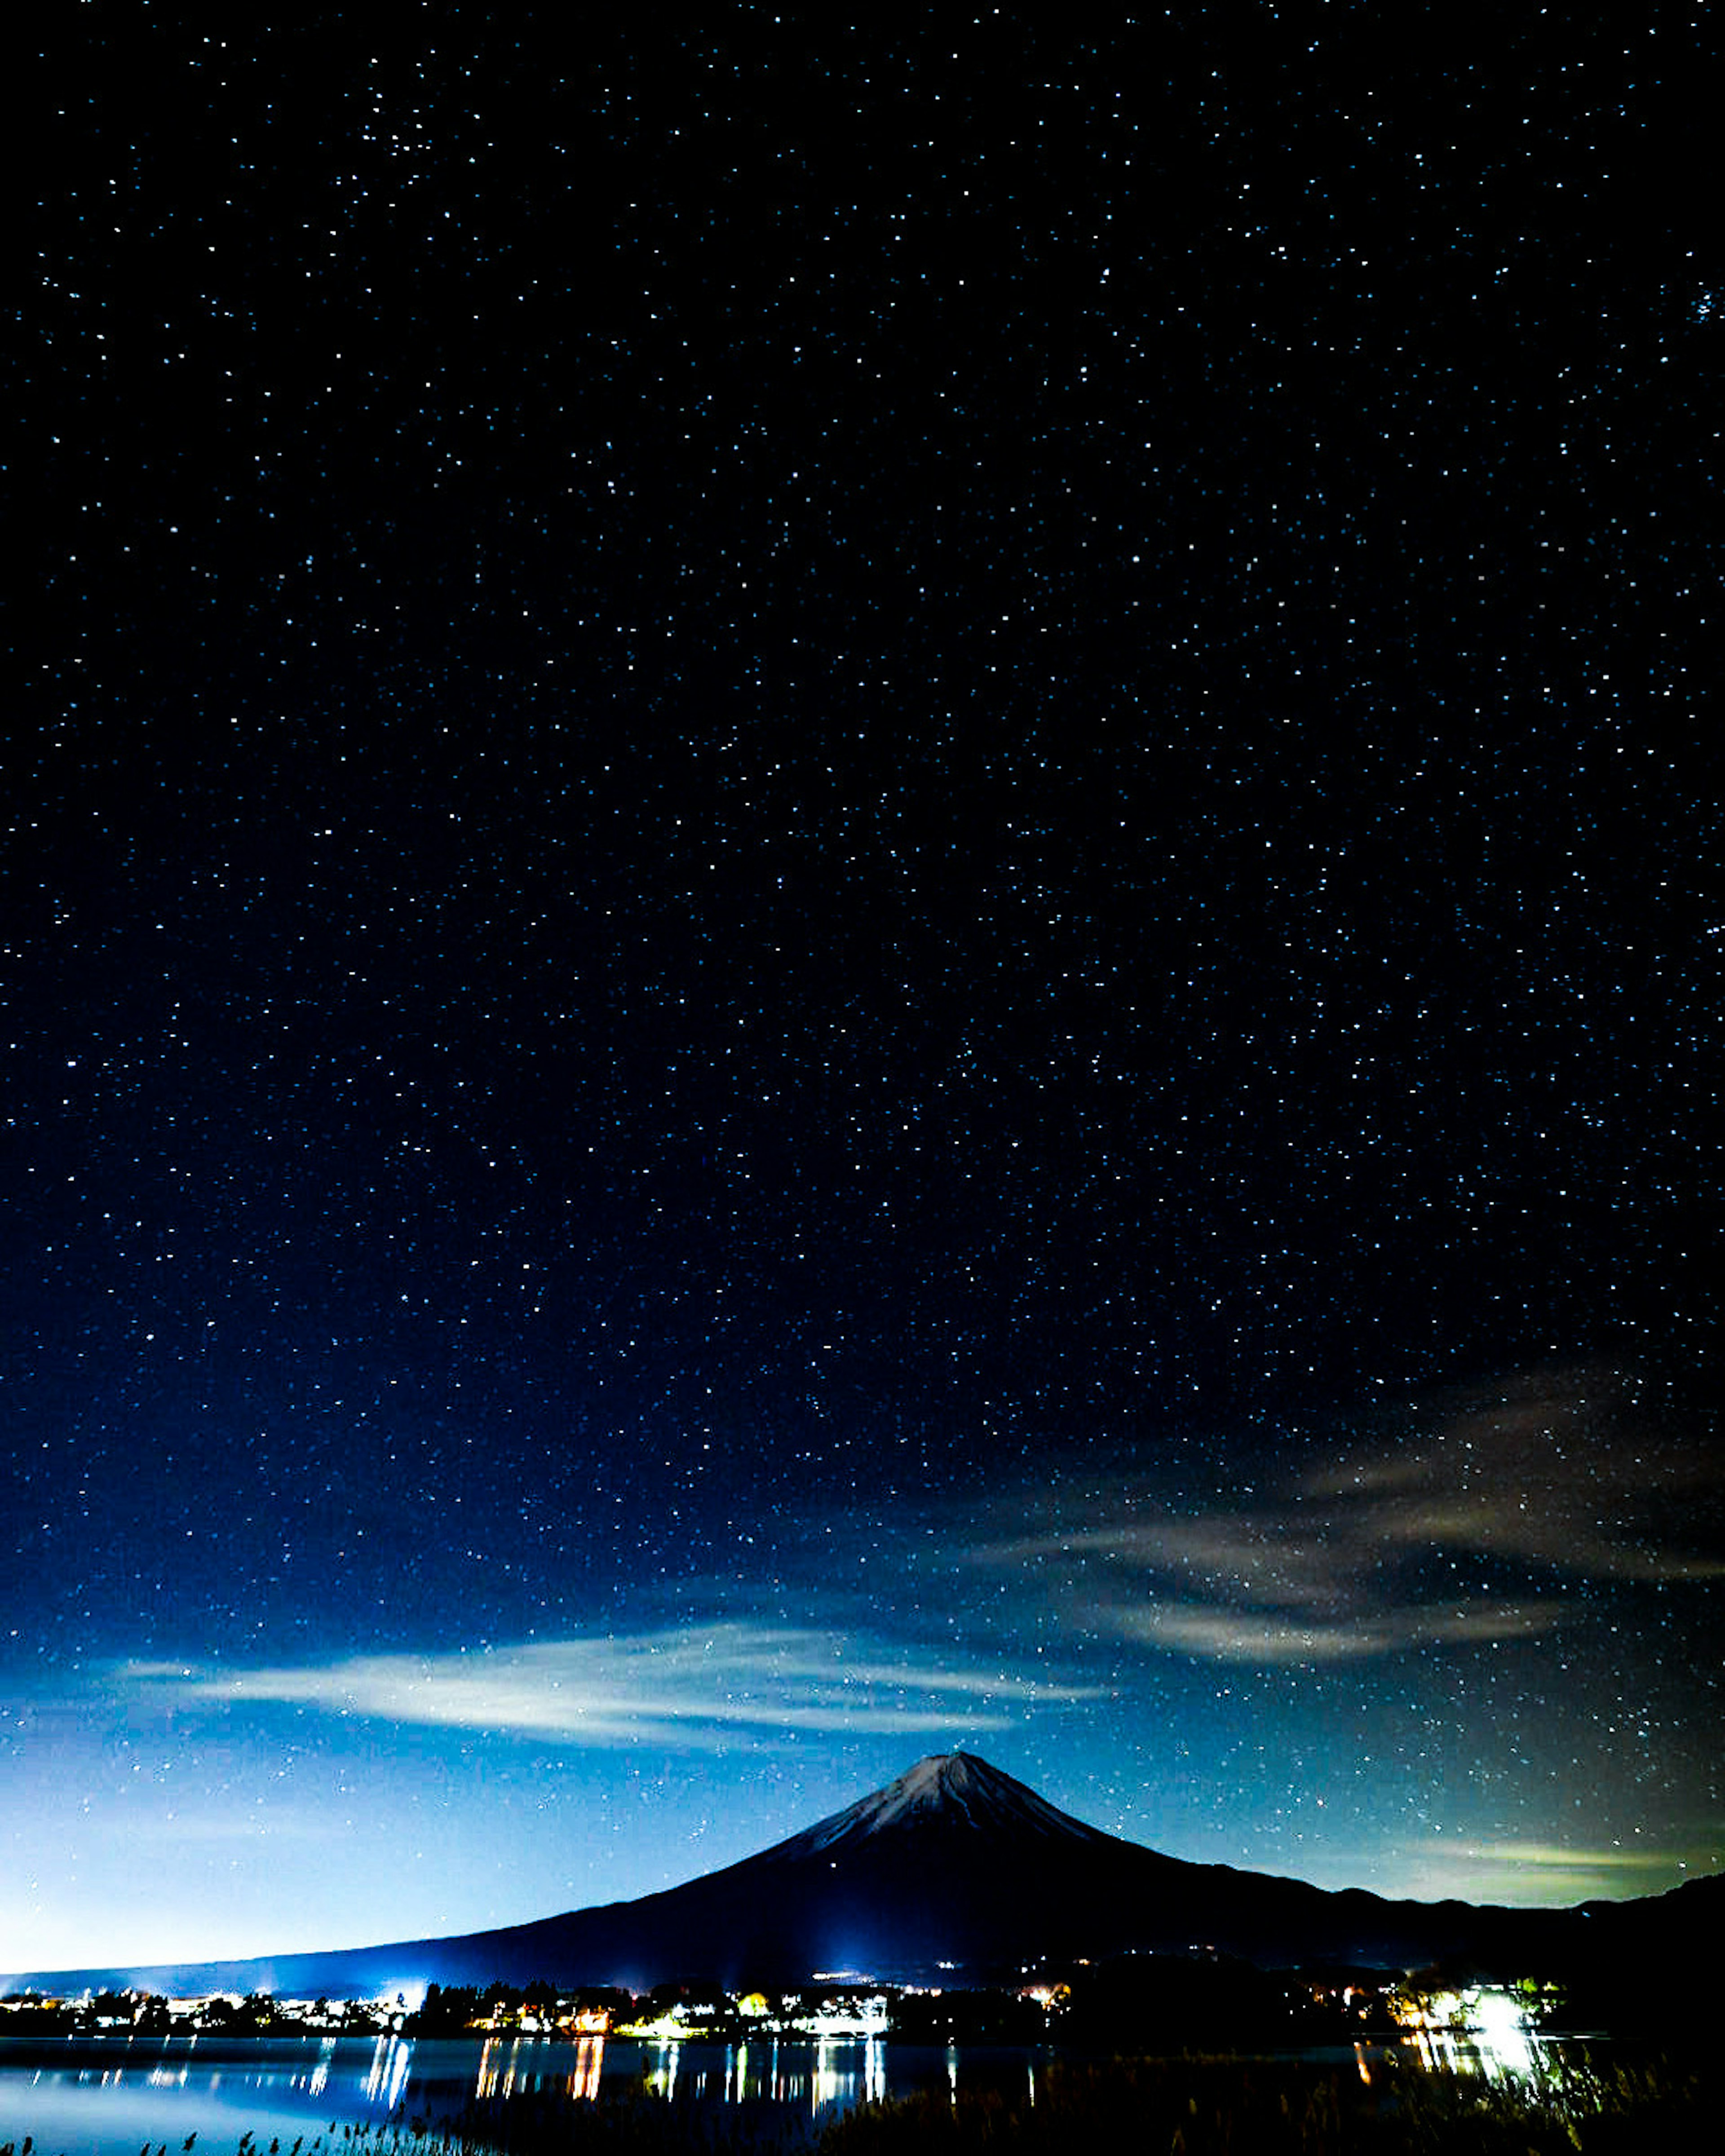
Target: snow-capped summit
x=947, y=1791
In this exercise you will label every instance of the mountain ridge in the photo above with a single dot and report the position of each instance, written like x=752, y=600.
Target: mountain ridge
x=952, y=1871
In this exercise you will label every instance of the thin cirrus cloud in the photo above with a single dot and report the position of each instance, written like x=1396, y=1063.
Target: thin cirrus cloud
x=1252, y=1636
x=1476, y=1523
x=699, y=1687
x=1540, y=1872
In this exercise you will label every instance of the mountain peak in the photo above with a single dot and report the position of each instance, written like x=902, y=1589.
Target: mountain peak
x=948, y=1792
x=943, y=1778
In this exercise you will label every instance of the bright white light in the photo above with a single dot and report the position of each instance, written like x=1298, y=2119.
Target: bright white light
x=1501, y=2028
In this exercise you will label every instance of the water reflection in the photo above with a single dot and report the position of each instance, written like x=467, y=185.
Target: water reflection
x=531, y=2065
x=589, y=2060
x=388, y=2077
x=815, y=2077
x=1485, y=2030
x=107, y=2099
x=663, y=2079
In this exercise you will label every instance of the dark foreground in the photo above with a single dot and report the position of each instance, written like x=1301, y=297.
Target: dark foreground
x=1189, y=2106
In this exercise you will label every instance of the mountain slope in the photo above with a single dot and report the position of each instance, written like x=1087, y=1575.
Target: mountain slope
x=954, y=1872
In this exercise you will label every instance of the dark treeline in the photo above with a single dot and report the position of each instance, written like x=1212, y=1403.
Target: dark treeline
x=451, y=2009
x=1128, y=2005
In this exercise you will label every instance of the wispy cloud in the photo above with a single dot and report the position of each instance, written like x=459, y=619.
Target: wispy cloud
x=1255, y=1636
x=1474, y=1522
x=1550, y=1466
x=1543, y=1871
x=1542, y=1855
x=693, y=1688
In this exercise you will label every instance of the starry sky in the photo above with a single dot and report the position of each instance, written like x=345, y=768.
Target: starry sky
x=860, y=895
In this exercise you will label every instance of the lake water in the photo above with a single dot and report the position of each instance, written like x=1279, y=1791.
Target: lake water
x=199, y=2096
x=96, y=2097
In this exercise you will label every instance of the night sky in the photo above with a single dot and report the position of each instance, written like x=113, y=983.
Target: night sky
x=860, y=896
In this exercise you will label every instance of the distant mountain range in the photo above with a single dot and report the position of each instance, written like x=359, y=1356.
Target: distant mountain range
x=956, y=1873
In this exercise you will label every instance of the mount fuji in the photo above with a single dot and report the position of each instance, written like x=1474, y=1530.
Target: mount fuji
x=955, y=1873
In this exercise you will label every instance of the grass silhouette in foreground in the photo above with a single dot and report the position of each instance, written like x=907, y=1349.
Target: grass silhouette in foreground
x=1208, y=2107
x=1187, y=2107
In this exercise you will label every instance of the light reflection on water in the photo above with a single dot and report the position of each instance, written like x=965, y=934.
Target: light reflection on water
x=503, y=2072
x=321, y=2073
x=830, y=2073
x=388, y=2077
x=1485, y=2030
x=106, y=2097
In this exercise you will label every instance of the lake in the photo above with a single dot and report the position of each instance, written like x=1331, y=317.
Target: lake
x=115, y=2097
x=120, y=2096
